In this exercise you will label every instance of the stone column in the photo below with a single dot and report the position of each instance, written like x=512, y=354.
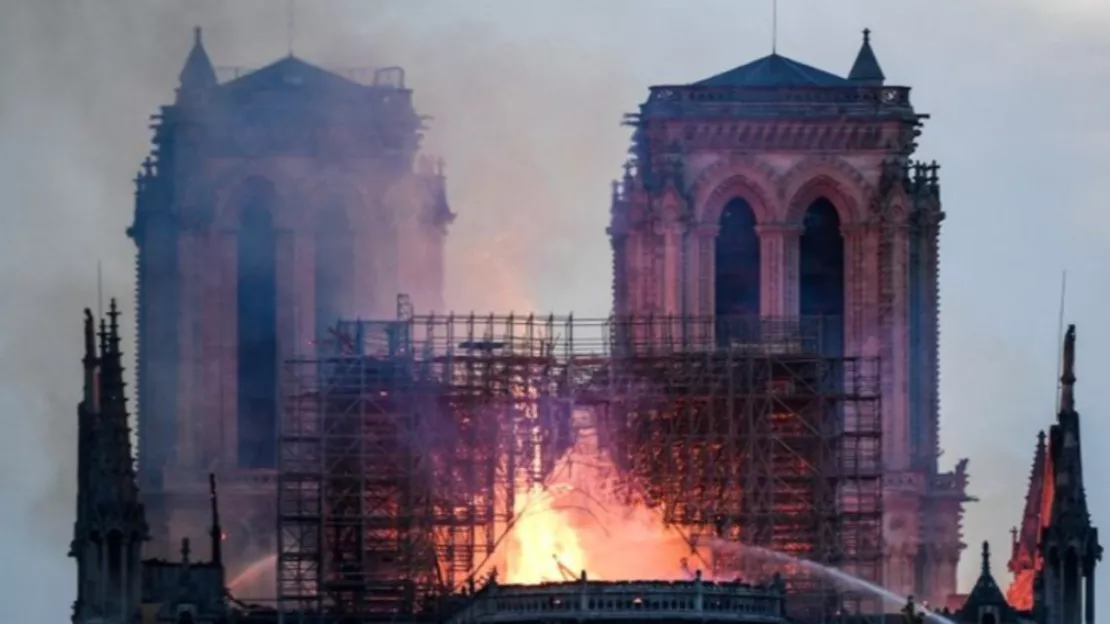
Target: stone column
x=672, y=274
x=704, y=270
x=125, y=577
x=778, y=266
x=212, y=353
x=188, y=429
x=227, y=316
x=895, y=354
x=858, y=276
x=1089, y=598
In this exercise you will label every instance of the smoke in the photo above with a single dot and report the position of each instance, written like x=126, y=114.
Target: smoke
x=526, y=98
x=82, y=80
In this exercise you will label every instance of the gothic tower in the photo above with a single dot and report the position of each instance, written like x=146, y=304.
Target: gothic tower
x=111, y=526
x=272, y=204
x=776, y=189
x=1056, y=551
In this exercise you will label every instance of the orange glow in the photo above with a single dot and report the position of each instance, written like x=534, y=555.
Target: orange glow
x=581, y=521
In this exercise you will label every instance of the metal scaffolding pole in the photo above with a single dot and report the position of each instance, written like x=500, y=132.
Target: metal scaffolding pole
x=402, y=448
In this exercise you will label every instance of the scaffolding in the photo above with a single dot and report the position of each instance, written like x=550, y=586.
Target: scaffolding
x=403, y=443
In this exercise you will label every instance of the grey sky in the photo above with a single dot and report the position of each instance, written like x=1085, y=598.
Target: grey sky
x=527, y=97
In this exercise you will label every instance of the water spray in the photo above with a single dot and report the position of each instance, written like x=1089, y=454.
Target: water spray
x=838, y=575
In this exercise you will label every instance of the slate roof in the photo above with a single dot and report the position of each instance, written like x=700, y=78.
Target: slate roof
x=198, y=71
x=866, y=68
x=774, y=70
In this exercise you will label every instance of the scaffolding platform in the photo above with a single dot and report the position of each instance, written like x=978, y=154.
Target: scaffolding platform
x=403, y=442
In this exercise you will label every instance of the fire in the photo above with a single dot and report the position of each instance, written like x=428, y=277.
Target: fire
x=580, y=522
x=543, y=545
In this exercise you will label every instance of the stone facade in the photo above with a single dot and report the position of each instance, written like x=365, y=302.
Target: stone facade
x=782, y=136
x=273, y=204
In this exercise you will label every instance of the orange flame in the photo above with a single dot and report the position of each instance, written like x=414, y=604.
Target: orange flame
x=580, y=522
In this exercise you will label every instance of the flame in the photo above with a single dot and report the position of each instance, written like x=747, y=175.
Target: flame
x=580, y=522
x=543, y=546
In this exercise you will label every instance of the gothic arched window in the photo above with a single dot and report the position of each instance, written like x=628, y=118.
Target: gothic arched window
x=821, y=273
x=257, y=327
x=737, y=274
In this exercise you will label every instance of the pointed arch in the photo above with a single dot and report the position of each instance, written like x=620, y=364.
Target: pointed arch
x=226, y=189
x=828, y=177
x=256, y=304
x=721, y=182
x=736, y=279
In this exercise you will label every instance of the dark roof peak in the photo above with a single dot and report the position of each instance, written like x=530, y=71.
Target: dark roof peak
x=198, y=72
x=986, y=593
x=866, y=68
x=294, y=71
x=774, y=70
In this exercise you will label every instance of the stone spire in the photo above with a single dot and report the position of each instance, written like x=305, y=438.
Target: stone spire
x=1031, y=520
x=216, y=533
x=114, y=437
x=111, y=524
x=1024, y=556
x=985, y=597
x=1068, y=538
x=866, y=69
x=198, y=73
x=1067, y=378
x=1069, y=496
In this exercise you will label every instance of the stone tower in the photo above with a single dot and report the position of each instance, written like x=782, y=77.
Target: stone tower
x=776, y=189
x=1056, y=551
x=111, y=525
x=272, y=205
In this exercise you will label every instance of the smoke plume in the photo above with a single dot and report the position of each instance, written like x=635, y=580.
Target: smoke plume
x=526, y=98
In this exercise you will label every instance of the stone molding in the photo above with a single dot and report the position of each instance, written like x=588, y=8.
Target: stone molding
x=761, y=136
x=732, y=176
x=829, y=177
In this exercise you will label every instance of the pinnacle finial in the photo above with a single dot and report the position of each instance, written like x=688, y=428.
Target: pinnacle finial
x=103, y=336
x=217, y=533
x=197, y=36
x=113, y=327
x=986, y=558
x=90, y=337
x=1067, y=378
x=865, y=70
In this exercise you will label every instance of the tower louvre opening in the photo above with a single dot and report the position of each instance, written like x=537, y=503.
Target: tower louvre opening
x=257, y=327
x=736, y=281
x=821, y=272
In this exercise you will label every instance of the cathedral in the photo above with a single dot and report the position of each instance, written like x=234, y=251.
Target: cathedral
x=277, y=202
